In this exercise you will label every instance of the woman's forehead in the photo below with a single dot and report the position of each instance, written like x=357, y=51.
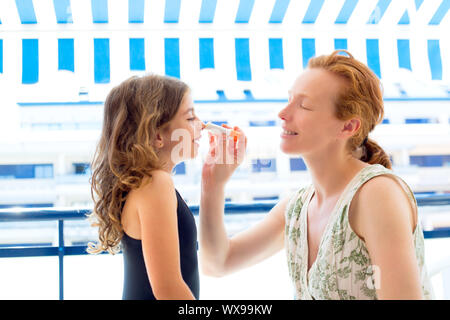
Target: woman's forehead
x=315, y=84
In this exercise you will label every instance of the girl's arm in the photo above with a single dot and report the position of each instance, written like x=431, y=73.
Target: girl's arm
x=386, y=220
x=157, y=211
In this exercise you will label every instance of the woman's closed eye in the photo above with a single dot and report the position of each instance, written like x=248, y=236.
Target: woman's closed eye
x=303, y=107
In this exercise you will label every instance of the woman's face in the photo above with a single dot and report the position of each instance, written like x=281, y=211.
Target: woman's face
x=308, y=121
x=183, y=133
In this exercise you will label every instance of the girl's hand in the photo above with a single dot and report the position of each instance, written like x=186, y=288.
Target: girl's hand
x=224, y=156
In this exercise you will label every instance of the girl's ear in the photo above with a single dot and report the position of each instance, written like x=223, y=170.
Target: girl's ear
x=159, y=141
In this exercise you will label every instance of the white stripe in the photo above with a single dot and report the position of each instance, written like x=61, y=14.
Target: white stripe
x=295, y=13
x=9, y=14
x=189, y=13
x=117, y=13
x=261, y=13
x=81, y=13
x=45, y=13
x=361, y=13
x=329, y=12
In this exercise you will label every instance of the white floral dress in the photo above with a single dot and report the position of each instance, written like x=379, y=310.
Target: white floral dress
x=342, y=269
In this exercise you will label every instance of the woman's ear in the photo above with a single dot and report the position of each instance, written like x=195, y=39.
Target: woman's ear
x=351, y=127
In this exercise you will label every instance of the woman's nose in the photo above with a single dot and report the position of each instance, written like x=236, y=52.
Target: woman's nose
x=283, y=113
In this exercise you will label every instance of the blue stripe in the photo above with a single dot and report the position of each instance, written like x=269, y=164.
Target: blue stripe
x=340, y=44
x=99, y=11
x=137, y=54
x=379, y=11
x=404, y=54
x=136, y=11
x=206, y=53
x=418, y=4
x=404, y=19
x=434, y=57
x=244, y=11
x=276, y=53
x=440, y=12
x=63, y=11
x=373, y=56
x=66, y=60
x=346, y=11
x=207, y=11
x=243, y=68
x=221, y=99
x=279, y=11
x=172, y=57
x=308, y=50
x=101, y=61
x=30, y=61
x=1, y=55
x=313, y=11
x=172, y=11
x=26, y=11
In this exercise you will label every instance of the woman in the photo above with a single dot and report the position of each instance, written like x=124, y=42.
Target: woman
x=136, y=203
x=354, y=232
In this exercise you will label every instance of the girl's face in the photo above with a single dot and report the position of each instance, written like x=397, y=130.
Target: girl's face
x=308, y=121
x=182, y=135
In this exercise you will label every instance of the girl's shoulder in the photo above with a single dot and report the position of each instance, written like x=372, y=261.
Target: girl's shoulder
x=158, y=185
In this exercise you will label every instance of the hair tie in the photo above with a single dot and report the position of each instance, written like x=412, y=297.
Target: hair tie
x=365, y=141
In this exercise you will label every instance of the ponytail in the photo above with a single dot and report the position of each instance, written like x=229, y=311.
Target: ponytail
x=374, y=154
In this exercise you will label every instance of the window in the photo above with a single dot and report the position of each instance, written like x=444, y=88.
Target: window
x=297, y=164
x=264, y=165
x=81, y=168
x=26, y=171
x=430, y=160
x=180, y=168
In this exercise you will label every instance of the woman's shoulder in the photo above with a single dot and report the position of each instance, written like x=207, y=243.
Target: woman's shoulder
x=384, y=199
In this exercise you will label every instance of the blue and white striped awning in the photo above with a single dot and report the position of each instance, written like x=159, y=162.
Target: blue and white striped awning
x=234, y=48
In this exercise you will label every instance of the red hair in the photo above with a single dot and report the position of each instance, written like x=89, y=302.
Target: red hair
x=362, y=98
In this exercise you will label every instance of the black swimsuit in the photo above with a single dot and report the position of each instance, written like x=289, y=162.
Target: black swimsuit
x=136, y=283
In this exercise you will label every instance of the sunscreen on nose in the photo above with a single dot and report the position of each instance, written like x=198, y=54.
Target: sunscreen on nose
x=219, y=129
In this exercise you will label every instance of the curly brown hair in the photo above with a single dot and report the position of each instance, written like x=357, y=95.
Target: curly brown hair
x=362, y=97
x=133, y=111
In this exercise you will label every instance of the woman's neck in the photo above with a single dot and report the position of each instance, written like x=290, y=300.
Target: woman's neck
x=331, y=173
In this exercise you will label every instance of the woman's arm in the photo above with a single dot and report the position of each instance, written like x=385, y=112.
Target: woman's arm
x=157, y=211
x=220, y=255
x=385, y=219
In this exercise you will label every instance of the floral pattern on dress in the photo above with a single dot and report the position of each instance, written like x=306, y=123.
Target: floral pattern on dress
x=343, y=269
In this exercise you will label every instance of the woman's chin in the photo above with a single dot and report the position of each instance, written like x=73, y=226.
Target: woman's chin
x=287, y=149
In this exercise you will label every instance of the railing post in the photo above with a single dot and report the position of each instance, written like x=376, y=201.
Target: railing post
x=61, y=258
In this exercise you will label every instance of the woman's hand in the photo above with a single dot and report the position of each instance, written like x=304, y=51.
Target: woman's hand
x=224, y=156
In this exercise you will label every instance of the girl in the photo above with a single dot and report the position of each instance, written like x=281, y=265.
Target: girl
x=135, y=201
x=354, y=232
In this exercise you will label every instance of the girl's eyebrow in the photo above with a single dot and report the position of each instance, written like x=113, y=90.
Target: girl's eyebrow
x=189, y=110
